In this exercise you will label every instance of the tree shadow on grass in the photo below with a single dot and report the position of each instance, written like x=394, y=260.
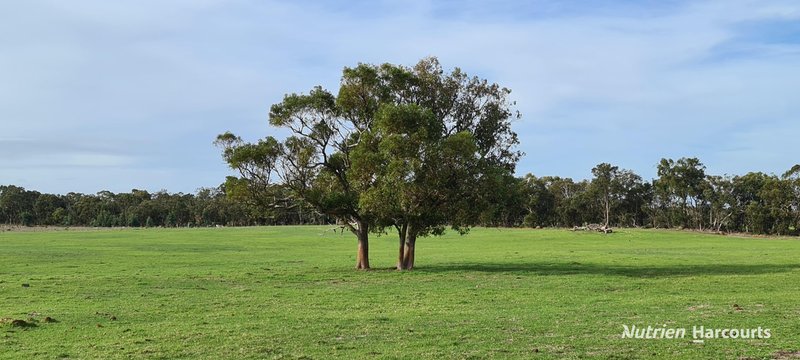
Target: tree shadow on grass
x=644, y=271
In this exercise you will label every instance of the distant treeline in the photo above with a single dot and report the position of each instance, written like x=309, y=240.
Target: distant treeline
x=683, y=196
x=139, y=208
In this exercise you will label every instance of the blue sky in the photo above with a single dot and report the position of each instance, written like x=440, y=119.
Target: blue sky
x=118, y=95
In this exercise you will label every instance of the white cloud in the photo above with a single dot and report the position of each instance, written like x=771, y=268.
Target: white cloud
x=153, y=82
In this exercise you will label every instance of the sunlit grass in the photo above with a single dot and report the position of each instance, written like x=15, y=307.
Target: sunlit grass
x=292, y=292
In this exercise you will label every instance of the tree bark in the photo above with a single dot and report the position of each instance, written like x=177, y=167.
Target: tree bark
x=362, y=258
x=408, y=254
x=402, y=231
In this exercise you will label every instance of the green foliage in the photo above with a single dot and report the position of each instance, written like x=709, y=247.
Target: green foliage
x=106, y=209
x=422, y=173
x=16, y=204
x=679, y=189
x=540, y=202
x=397, y=146
x=106, y=219
x=683, y=196
x=620, y=194
x=26, y=218
x=754, y=202
x=319, y=103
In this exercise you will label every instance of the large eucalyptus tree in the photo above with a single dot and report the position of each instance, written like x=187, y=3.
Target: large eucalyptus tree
x=409, y=148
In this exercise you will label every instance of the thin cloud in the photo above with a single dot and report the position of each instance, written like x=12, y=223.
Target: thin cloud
x=143, y=87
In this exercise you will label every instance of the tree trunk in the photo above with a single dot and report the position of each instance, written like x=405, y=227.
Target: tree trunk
x=408, y=255
x=362, y=259
x=402, y=231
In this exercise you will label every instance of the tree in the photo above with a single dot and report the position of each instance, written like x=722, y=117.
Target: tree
x=45, y=208
x=314, y=162
x=681, y=183
x=16, y=201
x=539, y=202
x=329, y=134
x=442, y=149
x=422, y=175
x=607, y=187
x=777, y=199
x=635, y=196
x=721, y=200
x=792, y=177
x=569, y=201
x=620, y=192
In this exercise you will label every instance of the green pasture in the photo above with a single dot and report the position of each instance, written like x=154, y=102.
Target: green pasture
x=292, y=293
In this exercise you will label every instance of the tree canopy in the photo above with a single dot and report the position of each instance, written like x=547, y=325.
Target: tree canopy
x=396, y=147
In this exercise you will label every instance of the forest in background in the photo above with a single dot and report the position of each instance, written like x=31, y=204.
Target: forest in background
x=140, y=208
x=683, y=196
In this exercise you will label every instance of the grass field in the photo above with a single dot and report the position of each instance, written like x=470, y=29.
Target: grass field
x=292, y=292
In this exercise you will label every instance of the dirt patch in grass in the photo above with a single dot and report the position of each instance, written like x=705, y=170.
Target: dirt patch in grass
x=786, y=355
x=17, y=322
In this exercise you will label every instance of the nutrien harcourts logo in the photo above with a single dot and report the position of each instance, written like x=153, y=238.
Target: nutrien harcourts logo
x=697, y=332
